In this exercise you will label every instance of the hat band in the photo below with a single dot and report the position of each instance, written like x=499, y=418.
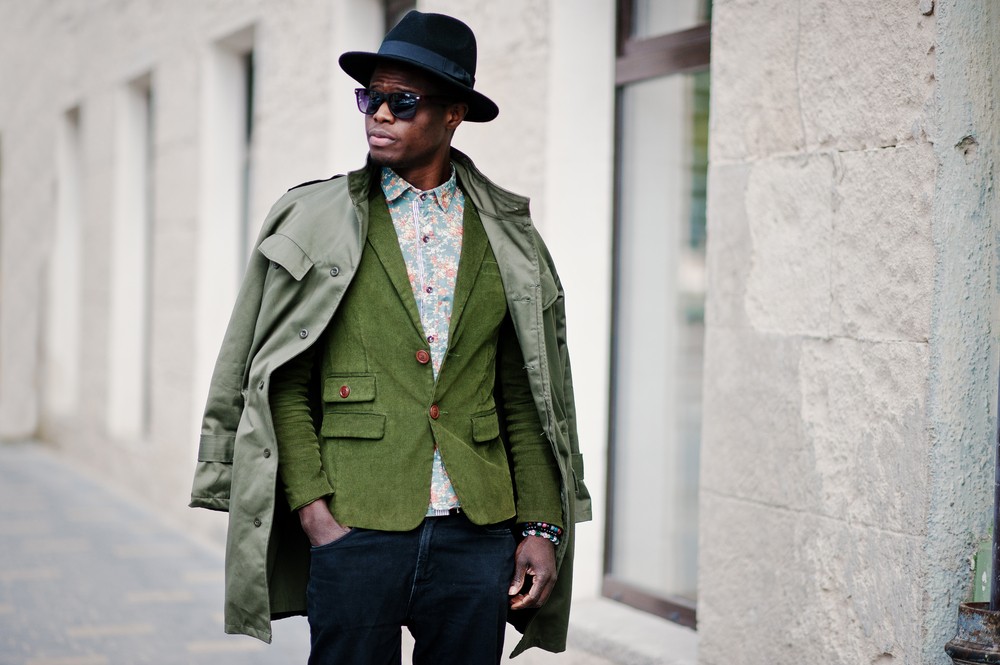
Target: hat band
x=427, y=58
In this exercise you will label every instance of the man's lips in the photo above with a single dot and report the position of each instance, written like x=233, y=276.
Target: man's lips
x=380, y=139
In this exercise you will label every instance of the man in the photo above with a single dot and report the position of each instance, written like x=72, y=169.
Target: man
x=391, y=421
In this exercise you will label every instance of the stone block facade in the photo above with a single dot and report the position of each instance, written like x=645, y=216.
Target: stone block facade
x=849, y=336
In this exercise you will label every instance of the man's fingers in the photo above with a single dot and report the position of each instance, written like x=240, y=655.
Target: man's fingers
x=518, y=580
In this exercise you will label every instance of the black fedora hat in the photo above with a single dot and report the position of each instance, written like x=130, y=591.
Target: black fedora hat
x=434, y=43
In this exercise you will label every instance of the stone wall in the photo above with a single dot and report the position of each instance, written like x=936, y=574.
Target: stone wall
x=848, y=405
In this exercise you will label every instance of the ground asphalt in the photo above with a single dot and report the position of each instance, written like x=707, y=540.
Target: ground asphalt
x=87, y=578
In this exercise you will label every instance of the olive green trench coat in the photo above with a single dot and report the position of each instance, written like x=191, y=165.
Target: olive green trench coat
x=316, y=234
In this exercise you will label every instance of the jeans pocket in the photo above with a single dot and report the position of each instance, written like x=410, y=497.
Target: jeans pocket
x=335, y=542
x=498, y=529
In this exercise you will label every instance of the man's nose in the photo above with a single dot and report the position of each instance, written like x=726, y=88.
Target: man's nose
x=384, y=114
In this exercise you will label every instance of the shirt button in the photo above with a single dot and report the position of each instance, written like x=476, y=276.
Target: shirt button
x=435, y=411
x=345, y=391
x=303, y=333
x=334, y=271
x=431, y=338
x=426, y=239
x=423, y=357
x=256, y=521
x=423, y=197
x=267, y=452
x=429, y=289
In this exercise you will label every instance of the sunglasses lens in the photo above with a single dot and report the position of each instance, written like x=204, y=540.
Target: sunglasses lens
x=403, y=105
x=367, y=101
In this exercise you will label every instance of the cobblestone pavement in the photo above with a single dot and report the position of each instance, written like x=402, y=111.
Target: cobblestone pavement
x=86, y=579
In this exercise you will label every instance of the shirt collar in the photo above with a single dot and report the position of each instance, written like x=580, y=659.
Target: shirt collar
x=394, y=187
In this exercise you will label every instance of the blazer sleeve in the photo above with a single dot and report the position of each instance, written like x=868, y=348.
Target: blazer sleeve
x=533, y=464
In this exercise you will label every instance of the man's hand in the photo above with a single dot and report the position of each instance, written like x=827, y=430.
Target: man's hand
x=536, y=557
x=319, y=524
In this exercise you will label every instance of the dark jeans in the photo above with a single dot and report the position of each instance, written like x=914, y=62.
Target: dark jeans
x=446, y=581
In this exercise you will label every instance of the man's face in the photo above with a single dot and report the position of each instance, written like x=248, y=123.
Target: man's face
x=416, y=144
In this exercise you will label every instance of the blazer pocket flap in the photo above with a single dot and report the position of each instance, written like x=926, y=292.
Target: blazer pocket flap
x=216, y=448
x=485, y=427
x=349, y=389
x=283, y=251
x=353, y=426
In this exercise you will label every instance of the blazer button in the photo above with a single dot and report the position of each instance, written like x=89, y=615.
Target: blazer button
x=435, y=411
x=334, y=271
x=303, y=333
x=256, y=521
x=267, y=453
x=345, y=391
x=423, y=357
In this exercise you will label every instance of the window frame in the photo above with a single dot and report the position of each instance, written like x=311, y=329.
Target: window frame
x=641, y=59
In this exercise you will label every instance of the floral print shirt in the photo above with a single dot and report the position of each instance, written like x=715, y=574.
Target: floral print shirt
x=429, y=229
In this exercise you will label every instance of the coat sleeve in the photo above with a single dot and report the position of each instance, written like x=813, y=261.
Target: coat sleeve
x=555, y=333
x=224, y=407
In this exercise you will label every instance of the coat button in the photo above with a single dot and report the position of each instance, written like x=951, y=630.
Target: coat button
x=256, y=521
x=435, y=411
x=423, y=357
x=334, y=271
x=303, y=333
x=260, y=386
x=267, y=452
x=345, y=391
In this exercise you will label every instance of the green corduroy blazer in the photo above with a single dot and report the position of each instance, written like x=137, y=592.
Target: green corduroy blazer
x=377, y=411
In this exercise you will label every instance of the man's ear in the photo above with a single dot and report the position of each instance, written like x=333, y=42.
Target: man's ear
x=455, y=114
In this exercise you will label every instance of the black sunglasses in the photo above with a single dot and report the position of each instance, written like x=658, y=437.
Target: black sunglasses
x=403, y=105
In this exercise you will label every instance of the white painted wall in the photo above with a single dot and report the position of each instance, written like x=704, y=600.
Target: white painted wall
x=61, y=345
x=129, y=333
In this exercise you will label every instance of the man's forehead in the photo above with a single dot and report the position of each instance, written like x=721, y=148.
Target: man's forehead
x=403, y=76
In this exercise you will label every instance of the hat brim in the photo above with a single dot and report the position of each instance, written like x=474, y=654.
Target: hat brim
x=360, y=66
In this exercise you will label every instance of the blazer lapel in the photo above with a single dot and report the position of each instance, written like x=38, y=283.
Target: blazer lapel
x=383, y=240
x=474, y=245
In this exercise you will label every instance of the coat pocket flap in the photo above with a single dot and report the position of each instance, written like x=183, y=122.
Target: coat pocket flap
x=283, y=251
x=485, y=427
x=346, y=388
x=550, y=292
x=353, y=426
x=216, y=448
x=577, y=462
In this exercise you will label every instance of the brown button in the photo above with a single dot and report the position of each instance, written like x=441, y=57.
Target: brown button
x=345, y=391
x=435, y=411
x=423, y=357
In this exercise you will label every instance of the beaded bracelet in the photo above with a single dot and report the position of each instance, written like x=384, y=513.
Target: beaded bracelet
x=544, y=530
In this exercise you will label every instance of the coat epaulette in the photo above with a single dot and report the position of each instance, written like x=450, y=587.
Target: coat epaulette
x=313, y=182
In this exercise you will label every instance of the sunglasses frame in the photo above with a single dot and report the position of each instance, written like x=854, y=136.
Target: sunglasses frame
x=376, y=99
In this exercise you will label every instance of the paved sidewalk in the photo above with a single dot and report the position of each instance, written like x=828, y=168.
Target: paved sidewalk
x=86, y=579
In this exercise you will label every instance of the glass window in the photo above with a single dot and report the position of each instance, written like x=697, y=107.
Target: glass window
x=651, y=18
x=659, y=303
x=395, y=10
x=659, y=331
